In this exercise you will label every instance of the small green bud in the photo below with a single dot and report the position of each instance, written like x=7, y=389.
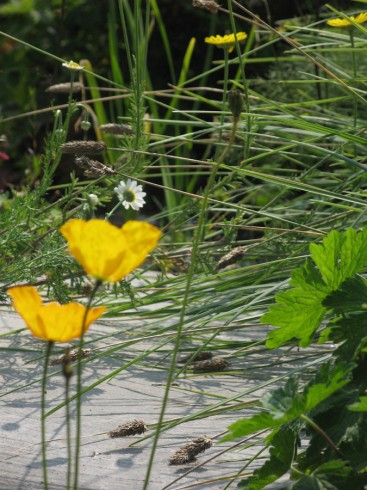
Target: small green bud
x=67, y=370
x=93, y=200
x=85, y=125
x=67, y=367
x=235, y=102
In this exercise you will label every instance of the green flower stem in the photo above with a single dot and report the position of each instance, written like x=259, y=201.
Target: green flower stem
x=231, y=140
x=245, y=86
x=79, y=385
x=72, y=79
x=43, y=411
x=323, y=434
x=225, y=88
x=68, y=435
x=185, y=301
x=110, y=213
x=354, y=61
x=296, y=471
x=67, y=371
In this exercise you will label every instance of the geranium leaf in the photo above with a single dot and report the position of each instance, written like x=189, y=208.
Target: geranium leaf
x=351, y=295
x=333, y=475
x=360, y=406
x=285, y=404
x=328, y=380
x=282, y=452
x=350, y=333
x=299, y=311
x=340, y=256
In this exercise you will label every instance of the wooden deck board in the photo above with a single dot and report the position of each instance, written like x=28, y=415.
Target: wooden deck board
x=134, y=393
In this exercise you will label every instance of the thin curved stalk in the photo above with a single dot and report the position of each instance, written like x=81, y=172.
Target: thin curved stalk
x=79, y=385
x=43, y=417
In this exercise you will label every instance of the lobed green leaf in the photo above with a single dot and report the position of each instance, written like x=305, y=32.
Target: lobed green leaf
x=360, y=406
x=340, y=256
x=282, y=452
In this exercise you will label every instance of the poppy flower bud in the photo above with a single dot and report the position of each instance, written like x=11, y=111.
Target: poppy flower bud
x=235, y=102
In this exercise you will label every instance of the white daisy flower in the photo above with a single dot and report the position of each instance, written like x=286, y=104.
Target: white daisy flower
x=73, y=66
x=130, y=194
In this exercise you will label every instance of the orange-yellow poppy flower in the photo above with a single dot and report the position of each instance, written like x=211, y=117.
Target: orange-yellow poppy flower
x=227, y=41
x=52, y=322
x=106, y=252
x=359, y=19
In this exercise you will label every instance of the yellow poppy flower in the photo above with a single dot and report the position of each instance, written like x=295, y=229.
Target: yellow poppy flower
x=106, y=252
x=227, y=41
x=51, y=322
x=359, y=19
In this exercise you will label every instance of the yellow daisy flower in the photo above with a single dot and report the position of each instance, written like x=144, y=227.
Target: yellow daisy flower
x=227, y=41
x=52, y=322
x=106, y=252
x=359, y=19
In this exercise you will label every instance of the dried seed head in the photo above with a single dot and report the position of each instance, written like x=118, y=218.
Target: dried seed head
x=207, y=5
x=71, y=356
x=83, y=147
x=93, y=168
x=130, y=429
x=94, y=174
x=181, y=456
x=201, y=356
x=64, y=88
x=203, y=443
x=231, y=257
x=117, y=129
x=188, y=452
x=212, y=365
x=198, y=445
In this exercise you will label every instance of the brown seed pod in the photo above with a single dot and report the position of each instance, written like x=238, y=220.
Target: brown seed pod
x=231, y=257
x=181, y=456
x=64, y=88
x=198, y=445
x=72, y=356
x=201, y=356
x=118, y=129
x=93, y=168
x=187, y=452
x=210, y=366
x=207, y=5
x=83, y=147
x=130, y=429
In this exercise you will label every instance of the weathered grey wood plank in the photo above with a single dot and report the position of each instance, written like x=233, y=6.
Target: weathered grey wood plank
x=133, y=393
